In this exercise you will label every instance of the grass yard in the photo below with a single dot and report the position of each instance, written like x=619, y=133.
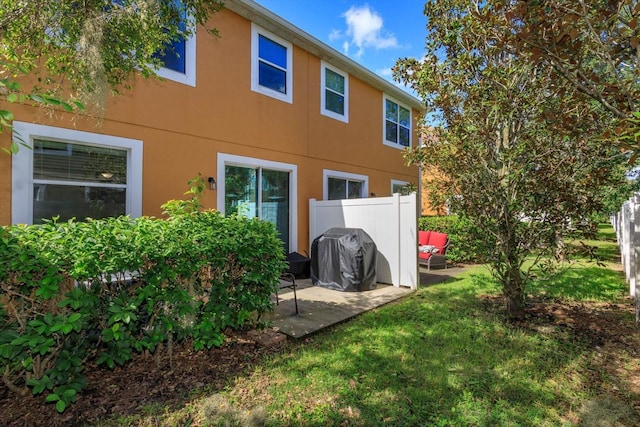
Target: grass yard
x=445, y=357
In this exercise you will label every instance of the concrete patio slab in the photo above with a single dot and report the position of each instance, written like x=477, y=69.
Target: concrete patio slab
x=319, y=307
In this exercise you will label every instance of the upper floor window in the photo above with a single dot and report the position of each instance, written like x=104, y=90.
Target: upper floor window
x=334, y=97
x=271, y=65
x=74, y=174
x=179, y=56
x=397, y=124
x=343, y=185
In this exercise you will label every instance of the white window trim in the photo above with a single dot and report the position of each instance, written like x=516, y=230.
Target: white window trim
x=397, y=182
x=189, y=76
x=233, y=160
x=323, y=110
x=395, y=145
x=22, y=165
x=328, y=173
x=255, y=65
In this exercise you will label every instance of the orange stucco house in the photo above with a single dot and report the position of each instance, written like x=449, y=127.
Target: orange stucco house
x=267, y=114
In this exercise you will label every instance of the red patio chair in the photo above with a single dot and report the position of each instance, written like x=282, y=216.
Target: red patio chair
x=432, y=248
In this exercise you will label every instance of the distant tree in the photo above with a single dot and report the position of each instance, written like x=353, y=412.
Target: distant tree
x=625, y=183
x=69, y=54
x=594, y=45
x=517, y=155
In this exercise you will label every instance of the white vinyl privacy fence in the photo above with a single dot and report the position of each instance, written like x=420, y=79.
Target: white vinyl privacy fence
x=392, y=223
x=626, y=224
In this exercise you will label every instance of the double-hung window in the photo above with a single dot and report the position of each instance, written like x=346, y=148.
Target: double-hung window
x=397, y=123
x=271, y=65
x=179, y=56
x=334, y=96
x=342, y=185
x=74, y=174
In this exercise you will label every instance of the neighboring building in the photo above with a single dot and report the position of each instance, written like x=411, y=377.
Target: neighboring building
x=428, y=176
x=273, y=115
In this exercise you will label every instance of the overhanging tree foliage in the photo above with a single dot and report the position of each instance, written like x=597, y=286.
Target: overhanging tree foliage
x=515, y=153
x=593, y=45
x=69, y=54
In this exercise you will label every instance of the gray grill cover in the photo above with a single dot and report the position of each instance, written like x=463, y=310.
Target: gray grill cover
x=344, y=259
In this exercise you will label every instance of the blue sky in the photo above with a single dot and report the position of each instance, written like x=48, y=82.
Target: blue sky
x=374, y=33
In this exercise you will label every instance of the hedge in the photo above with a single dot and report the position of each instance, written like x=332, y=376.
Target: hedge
x=463, y=248
x=102, y=290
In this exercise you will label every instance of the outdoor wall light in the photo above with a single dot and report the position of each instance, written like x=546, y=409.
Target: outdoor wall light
x=212, y=183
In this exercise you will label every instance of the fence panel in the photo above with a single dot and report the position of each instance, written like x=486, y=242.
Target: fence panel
x=626, y=224
x=392, y=223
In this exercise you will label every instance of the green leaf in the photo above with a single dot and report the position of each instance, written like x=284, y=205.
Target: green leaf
x=53, y=397
x=12, y=97
x=61, y=406
x=37, y=98
x=66, y=106
x=69, y=393
x=74, y=317
x=6, y=115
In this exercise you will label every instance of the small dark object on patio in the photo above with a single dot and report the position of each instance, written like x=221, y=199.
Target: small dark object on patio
x=299, y=265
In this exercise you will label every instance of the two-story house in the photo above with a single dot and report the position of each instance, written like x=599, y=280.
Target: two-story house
x=266, y=113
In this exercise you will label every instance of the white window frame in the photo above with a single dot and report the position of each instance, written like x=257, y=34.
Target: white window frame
x=397, y=182
x=22, y=165
x=189, y=76
x=328, y=173
x=396, y=145
x=251, y=162
x=256, y=31
x=323, y=91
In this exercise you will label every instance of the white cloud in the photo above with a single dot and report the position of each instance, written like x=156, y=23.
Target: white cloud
x=345, y=48
x=385, y=72
x=335, y=35
x=365, y=28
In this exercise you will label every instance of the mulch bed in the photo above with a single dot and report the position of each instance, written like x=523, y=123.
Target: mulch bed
x=144, y=381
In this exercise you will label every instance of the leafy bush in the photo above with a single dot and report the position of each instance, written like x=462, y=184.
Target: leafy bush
x=463, y=247
x=103, y=289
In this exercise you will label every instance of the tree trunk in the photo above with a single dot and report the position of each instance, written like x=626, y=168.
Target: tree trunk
x=515, y=306
x=513, y=289
x=560, y=245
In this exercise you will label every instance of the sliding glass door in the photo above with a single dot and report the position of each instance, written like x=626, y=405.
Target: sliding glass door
x=257, y=192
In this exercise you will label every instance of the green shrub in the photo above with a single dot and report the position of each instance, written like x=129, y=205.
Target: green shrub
x=105, y=289
x=462, y=247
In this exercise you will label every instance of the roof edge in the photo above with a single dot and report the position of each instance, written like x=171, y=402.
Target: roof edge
x=270, y=21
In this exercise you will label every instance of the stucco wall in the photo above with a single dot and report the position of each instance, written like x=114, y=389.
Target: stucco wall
x=183, y=127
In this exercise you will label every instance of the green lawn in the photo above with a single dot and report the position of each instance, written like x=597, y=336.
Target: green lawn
x=443, y=356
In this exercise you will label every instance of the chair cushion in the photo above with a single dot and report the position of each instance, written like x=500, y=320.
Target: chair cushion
x=423, y=237
x=439, y=240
